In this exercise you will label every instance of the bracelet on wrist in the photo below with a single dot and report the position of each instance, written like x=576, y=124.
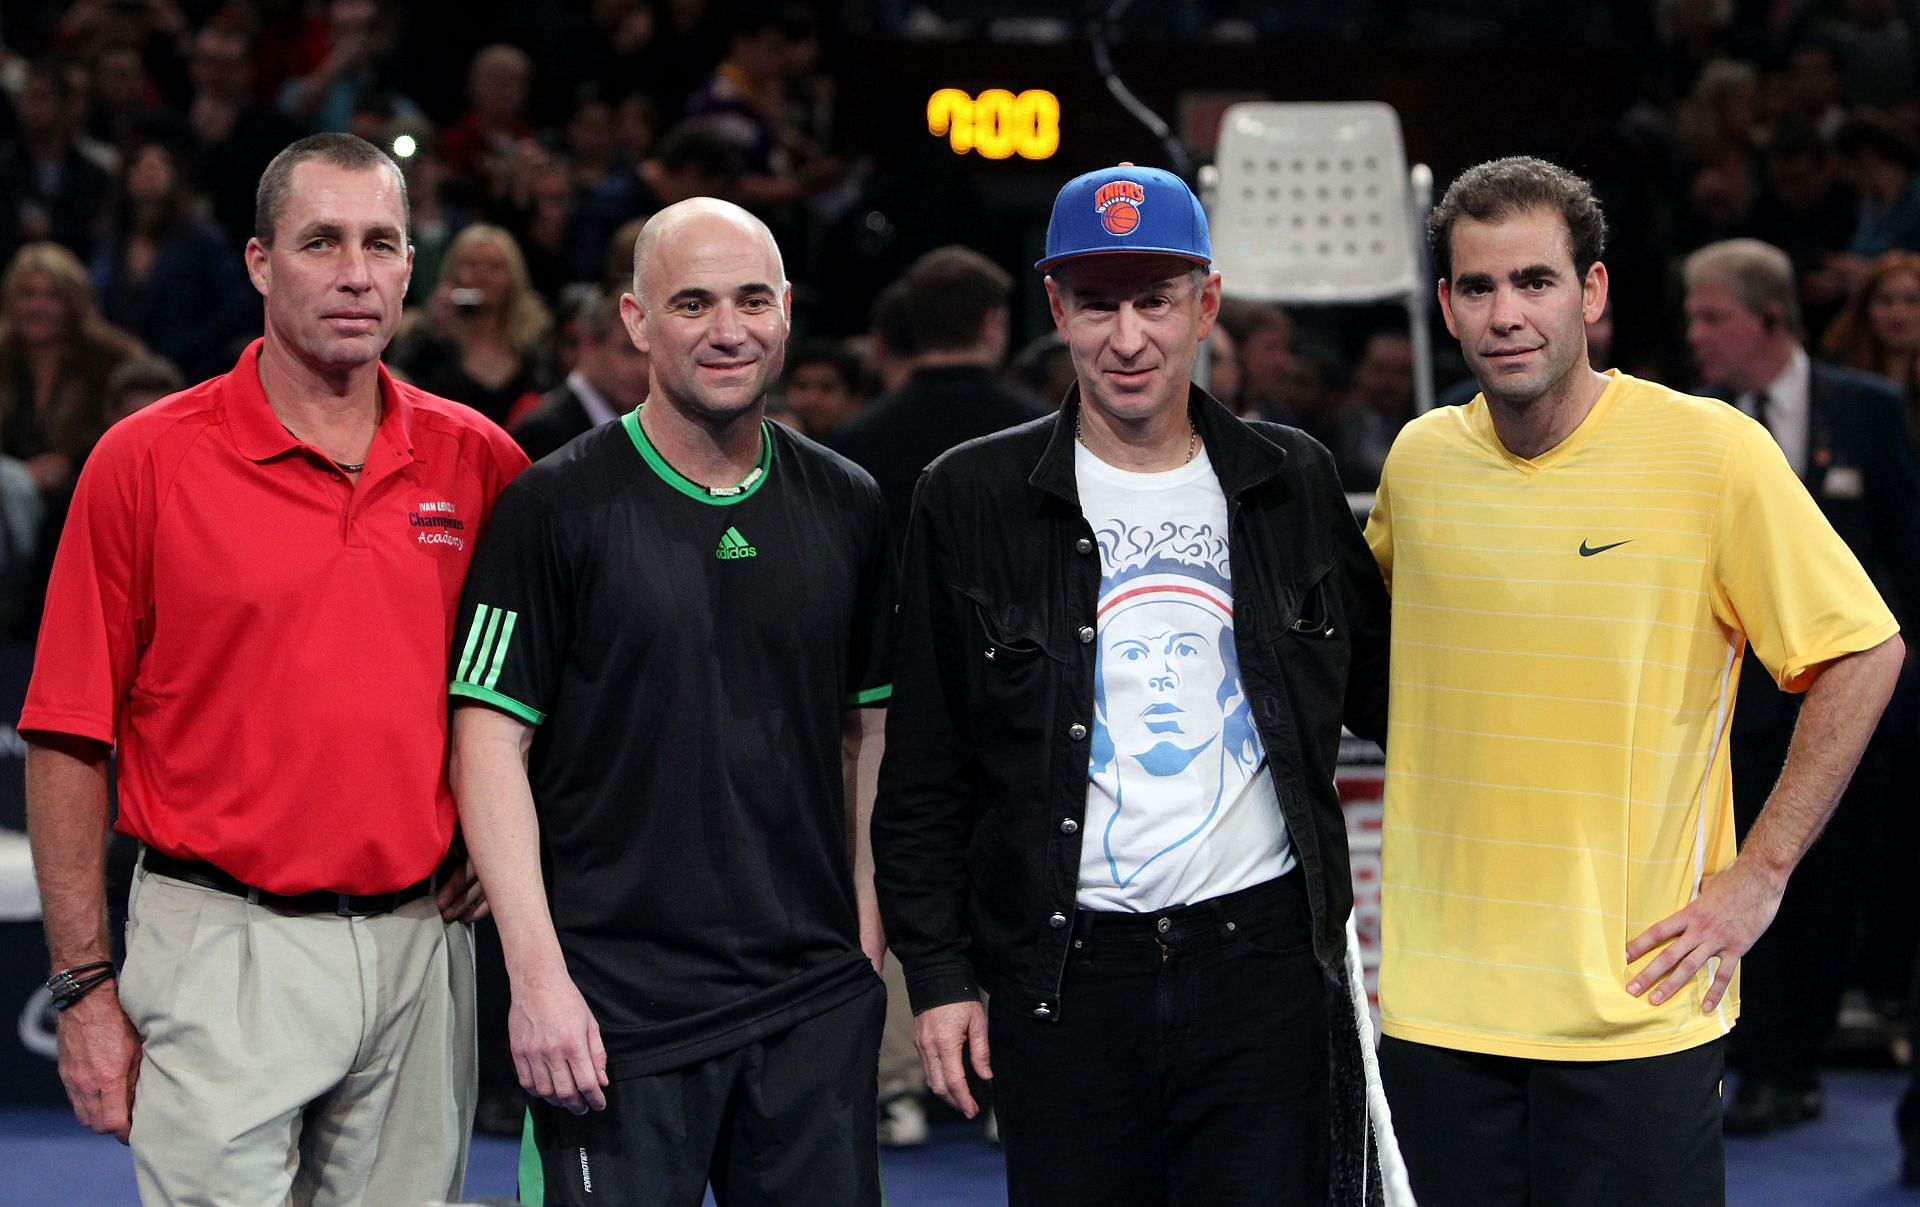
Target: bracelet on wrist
x=69, y=985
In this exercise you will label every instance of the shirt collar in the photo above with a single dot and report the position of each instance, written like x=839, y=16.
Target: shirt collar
x=1787, y=393
x=259, y=434
x=592, y=401
x=1242, y=458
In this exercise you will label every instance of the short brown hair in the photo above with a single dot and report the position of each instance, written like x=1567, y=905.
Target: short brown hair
x=348, y=151
x=1502, y=188
x=950, y=292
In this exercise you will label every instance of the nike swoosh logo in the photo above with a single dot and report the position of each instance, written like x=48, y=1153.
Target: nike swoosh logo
x=1589, y=550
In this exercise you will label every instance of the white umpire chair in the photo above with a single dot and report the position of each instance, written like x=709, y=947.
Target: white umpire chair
x=1313, y=204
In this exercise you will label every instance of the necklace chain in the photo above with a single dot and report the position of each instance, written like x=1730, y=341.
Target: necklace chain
x=1193, y=436
x=352, y=468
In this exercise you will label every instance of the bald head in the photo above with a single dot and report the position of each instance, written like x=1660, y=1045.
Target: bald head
x=704, y=216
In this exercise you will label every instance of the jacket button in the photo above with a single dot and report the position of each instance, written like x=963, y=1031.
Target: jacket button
x=1069, y=826
x=1043, y=1011
x=1086, y=634
x=1058, y=922
x=1083, y=545
x=1077, y=731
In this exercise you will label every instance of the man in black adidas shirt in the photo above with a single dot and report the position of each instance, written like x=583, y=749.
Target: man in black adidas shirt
x=674, y=651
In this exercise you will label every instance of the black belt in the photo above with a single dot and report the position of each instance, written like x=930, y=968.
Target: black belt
x=320, y=901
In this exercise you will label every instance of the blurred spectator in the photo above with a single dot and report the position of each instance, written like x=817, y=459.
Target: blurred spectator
x=140, y=381
x=231, y=135
x=48, y=189
x=636, y=126
x=1383, y=377
x=1044, y=368
x=693, y=160
x=480, y=144
x=1876, y=52
x=955, y=307
x=1223, y=367
x=434, y=215
x=127, y=107
x=1812, y=86
x=1723, y=113
x=1805, y=211
x=535, y=203
x=359, y=60
x=482, y=338
x=747, y=102
x=56, y=353
x=1882, y=162
x=609, y=379
x=1878, y=331
x=1267, y=363
x=168, y=275
x=821, y=391
x=889, y=354
x=606, y=187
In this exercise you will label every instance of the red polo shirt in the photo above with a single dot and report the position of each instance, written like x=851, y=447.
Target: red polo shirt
x=264, y=639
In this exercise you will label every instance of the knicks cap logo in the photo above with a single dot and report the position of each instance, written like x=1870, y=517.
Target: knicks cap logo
x=1118, y=203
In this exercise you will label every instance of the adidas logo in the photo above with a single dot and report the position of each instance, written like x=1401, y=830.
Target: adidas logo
x=734, y=546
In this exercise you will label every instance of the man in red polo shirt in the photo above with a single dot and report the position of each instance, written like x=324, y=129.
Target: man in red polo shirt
x=252, y=603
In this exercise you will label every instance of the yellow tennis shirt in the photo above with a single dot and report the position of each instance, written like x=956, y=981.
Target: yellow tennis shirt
x=1567, y=635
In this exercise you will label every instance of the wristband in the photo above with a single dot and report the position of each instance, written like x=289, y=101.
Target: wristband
x=69, y=985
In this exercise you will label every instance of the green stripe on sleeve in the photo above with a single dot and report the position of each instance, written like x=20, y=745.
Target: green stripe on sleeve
x=500, y=700
x=873, y=695
x=486, y=643
x=532, y=1175
x=500, y=650
x=473, y=638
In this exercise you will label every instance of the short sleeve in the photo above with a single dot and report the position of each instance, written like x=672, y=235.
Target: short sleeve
x=97, y=600
x=512, y=631
x=1782, y=575
x=870, y=649
x=1380, y=526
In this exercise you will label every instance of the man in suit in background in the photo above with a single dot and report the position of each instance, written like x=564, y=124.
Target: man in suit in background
x=609, y=379
x=1844, y=434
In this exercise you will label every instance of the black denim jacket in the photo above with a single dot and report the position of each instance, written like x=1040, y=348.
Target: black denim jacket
x=977, y=830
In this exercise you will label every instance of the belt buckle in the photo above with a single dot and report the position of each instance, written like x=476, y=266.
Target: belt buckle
x=343, y=905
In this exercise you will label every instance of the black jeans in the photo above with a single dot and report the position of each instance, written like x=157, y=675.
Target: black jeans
x=1502, y=1131
x=1187, y=1065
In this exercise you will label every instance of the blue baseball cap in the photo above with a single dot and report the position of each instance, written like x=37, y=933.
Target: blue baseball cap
x=1126, y=209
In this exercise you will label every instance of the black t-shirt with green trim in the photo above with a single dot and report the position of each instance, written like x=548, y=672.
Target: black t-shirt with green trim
x=687, y=660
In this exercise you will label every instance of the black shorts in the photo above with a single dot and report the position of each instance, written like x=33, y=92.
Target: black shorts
x=788, y=1118
x=1497, y=1130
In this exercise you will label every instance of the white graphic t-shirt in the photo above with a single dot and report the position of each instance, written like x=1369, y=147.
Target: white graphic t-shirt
x=1180, y=807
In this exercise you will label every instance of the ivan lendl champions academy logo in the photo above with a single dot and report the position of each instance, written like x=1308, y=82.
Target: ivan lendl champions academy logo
x=436, y=524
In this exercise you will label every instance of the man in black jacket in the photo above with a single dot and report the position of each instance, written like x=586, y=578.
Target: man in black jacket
x=956, y=309
x=1129, y=635
x=1845, y=435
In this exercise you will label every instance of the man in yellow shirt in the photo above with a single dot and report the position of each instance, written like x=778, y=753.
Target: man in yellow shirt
x=1578, y=563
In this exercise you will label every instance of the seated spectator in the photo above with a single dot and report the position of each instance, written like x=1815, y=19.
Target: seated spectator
x=1044, y=367
x=483, y=337
x=48, y=189
x=1882, y=162
x=231, y=137
x=1878, y=330
x=1268, y=377
x=479, y=145
x=609, y=379
x=822, y=388
x=1804, y=210
x=1383, y=377
x=747, y=102
x=127, y=107
x=693, y=160
x=140, y=381
x=1223, y=367
x=158, y=254
x=359, y=59
x=56, y=353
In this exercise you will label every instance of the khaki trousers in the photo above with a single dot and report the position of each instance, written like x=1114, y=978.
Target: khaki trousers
x=297, y=1058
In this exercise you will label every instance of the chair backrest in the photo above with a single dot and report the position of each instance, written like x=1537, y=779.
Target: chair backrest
x=1311, y=204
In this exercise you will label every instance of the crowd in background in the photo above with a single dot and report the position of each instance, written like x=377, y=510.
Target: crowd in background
x=535, y=143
